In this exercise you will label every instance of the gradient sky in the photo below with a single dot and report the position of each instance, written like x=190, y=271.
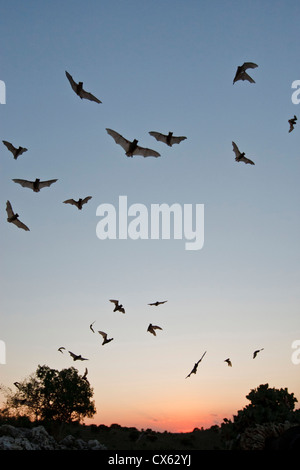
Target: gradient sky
x=163, y=66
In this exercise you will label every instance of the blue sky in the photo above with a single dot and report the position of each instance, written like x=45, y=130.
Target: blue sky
x=164, y=66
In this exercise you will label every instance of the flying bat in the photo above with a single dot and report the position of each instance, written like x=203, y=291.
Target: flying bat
x=168, y=139
x=118, y=307
x=78, y=203
x=240, y=157
x=61, y=348
x=256, y=352
x=131, y=148
x=77, y=357
x=77, y=87
x=194, y=370
x=292, y=123
x=241, y=73
x=14, y=218
x=228, y=362
x=36, y=185
x=151, y=328
x=91, y=327
x=15, y=151
x=158, y=303
x=105, y=339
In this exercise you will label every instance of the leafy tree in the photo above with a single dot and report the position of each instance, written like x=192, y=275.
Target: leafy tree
x=50, y=394
x=267, y=405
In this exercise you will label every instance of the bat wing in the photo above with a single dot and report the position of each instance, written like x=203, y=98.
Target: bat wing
x=119, y=139
x=152, y=328
x=249, y=65
x=246, y=160
x=177, y=139
x=201, y=357
x=244, y=76
x=71, y=201
x=44, y=184
x=9, y=146
x=236, y=150
x=73, y=355
x=9, y=210
x=20, y=224
x=86, y=199
x=158, y=136
x=72, y=82
x=116, y=302
x=104, y=335
x=88, y=96
x=24, y=183
x=145, y=152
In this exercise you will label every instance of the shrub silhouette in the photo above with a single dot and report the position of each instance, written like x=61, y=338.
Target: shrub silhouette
x=267, y=405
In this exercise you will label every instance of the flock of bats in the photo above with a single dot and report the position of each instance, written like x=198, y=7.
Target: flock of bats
x=117, y=308
x=151, y=329
x=131, y=149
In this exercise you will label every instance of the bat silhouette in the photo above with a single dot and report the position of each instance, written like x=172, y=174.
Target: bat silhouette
x=104, y=335
x=228, y=362
x=78, y=203
x=91, y=327
x=168, y=139
x=256, y=352
x=77, y=87
x=131, y=148
x=241, y=73
x=60, y=349
x=36, y=185
x=15, y=151
x=77, y=357
x=118, y=307
x=194, y=370
x=14, y=218
x=151, y=328
x=240, y=157
x=292, y=123
x=158, y=303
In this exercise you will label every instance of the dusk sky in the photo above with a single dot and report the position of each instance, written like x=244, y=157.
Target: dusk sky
x=156, y=66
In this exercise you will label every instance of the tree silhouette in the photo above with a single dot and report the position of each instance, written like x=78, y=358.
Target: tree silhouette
x=267, y=405
x=50, y=394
